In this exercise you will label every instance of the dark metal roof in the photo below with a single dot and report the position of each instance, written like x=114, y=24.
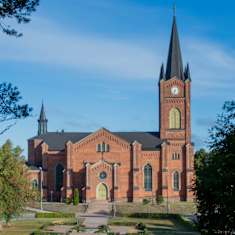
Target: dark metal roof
x=174, y=61
x=162, y=73
x=57, y=140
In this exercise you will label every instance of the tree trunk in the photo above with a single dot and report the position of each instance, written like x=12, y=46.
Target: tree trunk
x=0, y=226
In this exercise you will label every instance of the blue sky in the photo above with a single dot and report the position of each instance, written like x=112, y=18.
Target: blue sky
x=96, y=63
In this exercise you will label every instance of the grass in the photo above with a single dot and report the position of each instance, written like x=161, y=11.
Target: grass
x=182, y=208
x=156, y=226
x=26, y=227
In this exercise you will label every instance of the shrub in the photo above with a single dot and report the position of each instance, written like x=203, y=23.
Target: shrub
x=159, y=199
x=45, y=233
x=76, y=197
x=123, y=223
x=140, y=226
x=154, y=216
x=103, y=229
x=146, y=201
x=54, y=215
x=68, y=201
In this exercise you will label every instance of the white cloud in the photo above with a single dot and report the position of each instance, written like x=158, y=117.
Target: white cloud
x=44, y=42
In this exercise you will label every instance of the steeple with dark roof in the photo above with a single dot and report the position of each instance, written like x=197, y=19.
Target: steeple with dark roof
x=174, y=62
x=162, y=73
x=187, y=73
x=42, y=122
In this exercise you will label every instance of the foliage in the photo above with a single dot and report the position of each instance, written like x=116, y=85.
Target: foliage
x=146, y=201
x=215, y=177
x=154, y=216
x=15, y=189
x=103, y=229
x=159, y=199
x=19, y=10
x=122, y=223
x=141, y=226
x=76, y=197
x=10, y=109
x=54, y=215
x=46, y=233
x=68, y=201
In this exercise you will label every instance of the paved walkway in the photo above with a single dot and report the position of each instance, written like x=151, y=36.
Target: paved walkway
x=97, y=214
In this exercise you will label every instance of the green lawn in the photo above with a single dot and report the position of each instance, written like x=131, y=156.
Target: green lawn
x=26, y=227
x=155, y=226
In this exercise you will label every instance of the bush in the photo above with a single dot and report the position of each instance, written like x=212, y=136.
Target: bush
x=76, y=197
x=154, y=216
x=159, y=199
x=54, y=215
x=45, y=233
x=123, y=223
x=103, y=229
x=68, y=201
x=146, y=201
x=140, y=226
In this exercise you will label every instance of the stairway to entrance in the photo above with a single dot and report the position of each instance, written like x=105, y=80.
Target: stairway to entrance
x=97, y=214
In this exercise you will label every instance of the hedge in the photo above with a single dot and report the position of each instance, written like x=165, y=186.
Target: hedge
x=122, y=223
x=45, y=233
x=154, y=216
x=54, y=215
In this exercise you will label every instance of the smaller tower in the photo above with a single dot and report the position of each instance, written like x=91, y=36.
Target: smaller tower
x=42, y=122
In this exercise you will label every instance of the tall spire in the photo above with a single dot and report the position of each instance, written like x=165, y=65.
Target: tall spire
x=174, y=61
x=42, y=122
x=187, y=73
x=162, y=73
x=42, y=113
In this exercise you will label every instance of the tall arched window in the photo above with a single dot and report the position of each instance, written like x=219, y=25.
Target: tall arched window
x=148, y=178
x=59, y=177
x=34, y=184
x=176, y=181
x=175, y=119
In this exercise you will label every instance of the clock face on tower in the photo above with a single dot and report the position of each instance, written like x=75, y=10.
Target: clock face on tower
x=174, y=90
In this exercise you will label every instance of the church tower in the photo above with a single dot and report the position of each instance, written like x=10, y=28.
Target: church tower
x=175, y=122
x=42, y=122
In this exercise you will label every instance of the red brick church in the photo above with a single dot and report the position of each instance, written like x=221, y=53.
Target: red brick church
x=106, y=165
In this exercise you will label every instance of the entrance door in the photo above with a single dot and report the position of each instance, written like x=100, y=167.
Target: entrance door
x=101, y=192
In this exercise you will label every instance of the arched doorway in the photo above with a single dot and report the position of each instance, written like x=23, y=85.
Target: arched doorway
x=101, y=192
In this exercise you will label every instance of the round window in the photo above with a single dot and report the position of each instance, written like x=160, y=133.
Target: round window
x=103, y=175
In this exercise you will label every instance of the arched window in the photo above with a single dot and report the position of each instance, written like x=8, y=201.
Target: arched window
x=175, y=156
x=175, y=119
x=59, y=177
x=148, y=178
x=98, y=148
x=176, y=181
x=34, y=184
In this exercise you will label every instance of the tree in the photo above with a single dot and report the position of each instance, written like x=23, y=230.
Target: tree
x=19, y=10
x=15, y=189
x=215, y=176
x=10, y=109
